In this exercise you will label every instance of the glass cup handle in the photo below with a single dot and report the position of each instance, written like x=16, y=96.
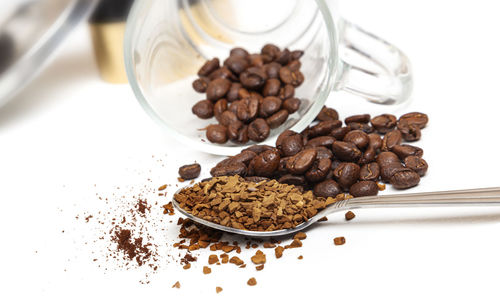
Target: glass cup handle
x=373, y=68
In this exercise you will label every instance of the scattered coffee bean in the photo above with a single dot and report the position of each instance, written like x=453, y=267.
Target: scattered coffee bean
x=217, y=89
x=340, y=133
x=417, y=164
x=384, y=123
x=258, y=130
x=200, y=85
x=338, y=241
x=217, y=133
x=302, y=161
x=191, y=171
x=327, y=188
x=358, y=138
x=327, y=114
x=345, y=151
x=346, y=174
x=291, y=105
x=291, y=145
x=405, y=150
x=203, y=109
x=349, y=215
x=364, y=188
x=404, y=179
x=360, y=118
x=319, y=170
x=391, y=139
x=370, y=171
x=266, y=163
x=209, y=67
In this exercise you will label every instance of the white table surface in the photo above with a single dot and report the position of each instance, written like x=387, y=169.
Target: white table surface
x=68, y=131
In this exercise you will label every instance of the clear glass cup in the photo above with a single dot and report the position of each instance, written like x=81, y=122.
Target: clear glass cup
x=166, y=42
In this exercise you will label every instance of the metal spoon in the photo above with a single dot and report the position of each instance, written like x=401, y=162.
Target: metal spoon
x=460, y=198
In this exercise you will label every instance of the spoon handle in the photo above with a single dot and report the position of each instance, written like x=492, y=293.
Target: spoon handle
x=472, y=197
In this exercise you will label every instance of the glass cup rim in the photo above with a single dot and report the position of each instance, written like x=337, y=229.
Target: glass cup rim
x=333, y=74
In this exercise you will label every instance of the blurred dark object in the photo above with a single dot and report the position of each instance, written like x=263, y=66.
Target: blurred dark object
x=7, y=49
x=111, y=11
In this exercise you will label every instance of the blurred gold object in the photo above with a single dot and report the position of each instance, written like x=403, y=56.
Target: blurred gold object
x=108, y=48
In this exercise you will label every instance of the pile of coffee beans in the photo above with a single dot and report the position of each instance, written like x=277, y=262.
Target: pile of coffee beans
x=250, y=94
x=331, y=158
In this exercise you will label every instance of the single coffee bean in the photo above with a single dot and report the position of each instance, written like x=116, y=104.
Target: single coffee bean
x=346, y=174
x=391, y=139
x=336, y=163
x=272, y=70
x=244, y=157
x=271, y=87
x=389, y=164
x=323, y=153
x=405, y=150
x=283, y=57
x=257, y=148
x=258, y=130
x=370, y=171
x=384, y=123
x=320, y=141
x=294, y=65
x=404, y=179
x=219, y=108
x=295, y=55
x=292, y=180
x=415, y=118
x=231, y=169
x=291, y=105
x=294, y=78
x=217, y=133
x=236, y=64
x=285, y=134
x=269, y=106
x=327, y=114
x=246, y=109
x=327, y=188
x=242, y=136
x=359, y=118
x=256, y=60
x=203, y=109
x=319, y=170
x=223, y=72
x=282, y=167
x=227, y=117
x=253, y=78
x=368, y=156
x=409, y=132
x=323, y=128
x=208, y=67
x=277, y=119
x=375, y=141
x=243, y=93
x=286, y=92
x=358, y=138
x=367, y=128
x=240, y=52
x=345, y=151
x=364, y=188
x=191, y=171
x=270, y=50
x=200, y=85
x=266, y=163
x=217, y=89
x=340, y=133
x=417, y=164
x=232, y=94
x=301, y=162
x=234, y=129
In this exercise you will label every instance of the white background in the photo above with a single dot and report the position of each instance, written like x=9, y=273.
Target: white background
x=68, y=131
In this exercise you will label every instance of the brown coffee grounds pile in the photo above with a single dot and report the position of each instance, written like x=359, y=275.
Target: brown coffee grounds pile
x=256, y=206
x=132, y=248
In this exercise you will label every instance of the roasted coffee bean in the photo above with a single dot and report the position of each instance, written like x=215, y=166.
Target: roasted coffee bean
x=323, y=153
x=277, y=119
x=370, y=171
x=415, y=118
x=283, y=57
x=223, y=72
x=358, y=138
x=327, y=114
x=367, y=128
x=217, y=89
x=294, y=65
x=404, y=179
x=405, y=150
x=282, y=167
x=364, y=188
x=327, y=188
x=191, y=171
x=269, y=106
x=238, y=52
x=391, y=139
x=292, y=180
x=417, y=164
x=233, y=130
x=270, y=50
x=231, y=169
x=208, y=67
x=301, y=162
x=256, y=60
x=340, y=133
x=345, y=151
x=320, y=141
x=236, y=64
x=319, y=170
x=232, y=94
x=323, y=128
x=246, y=109
x=257, y=148
x=244, y=157
x=291, y=145
x=346, y=174
x=359, y=118
x=384, y=123
x=271, y=87
x=256, y=179
x=200, y=85
x=242, y=136
x=258, y=130
x=291, y=105
x=266, y=163
x=253, y=78
x=368, y=156
x=217, y=133
x=389, y=164
x=409, y=132
x=295, y=55
x=243, y=93
x=375, y=141
x=273, y=70
x=286, y=92
x=219, y=108
x=294, y=78
x=336, y=163
x=227, y=117
x=225, y=162
x=285, y=134
x=203, y=109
